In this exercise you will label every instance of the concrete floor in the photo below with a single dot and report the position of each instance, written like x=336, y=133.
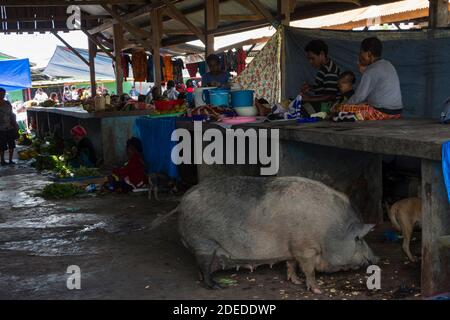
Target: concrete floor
x=108, y=237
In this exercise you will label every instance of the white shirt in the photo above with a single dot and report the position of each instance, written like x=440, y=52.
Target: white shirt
x=172, y=94
x=41, y=97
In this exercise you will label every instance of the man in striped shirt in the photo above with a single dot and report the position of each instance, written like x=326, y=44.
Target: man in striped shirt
x=325, y=88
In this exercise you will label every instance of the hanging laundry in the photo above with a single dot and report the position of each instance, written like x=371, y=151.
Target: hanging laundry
x=168, y=69
x=202, y=68
x=241, y=58
x=150, y=71
x=139, y=61
x=178, y=66
x=125, y=61
x=231, y=61
x=192, y=69
x=223, y=61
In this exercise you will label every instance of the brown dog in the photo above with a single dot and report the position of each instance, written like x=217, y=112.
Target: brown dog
x=404, y=215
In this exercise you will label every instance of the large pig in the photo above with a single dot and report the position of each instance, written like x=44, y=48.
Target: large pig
x=247, y=222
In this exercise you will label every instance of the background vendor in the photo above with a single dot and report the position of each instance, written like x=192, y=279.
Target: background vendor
x=378, y=96
x=84, y=152
x=325, y=88
x=216, y=77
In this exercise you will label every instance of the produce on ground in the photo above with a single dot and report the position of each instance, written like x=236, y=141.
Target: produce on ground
x=61, y=191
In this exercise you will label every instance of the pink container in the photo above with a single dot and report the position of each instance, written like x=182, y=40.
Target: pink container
x=239, y=120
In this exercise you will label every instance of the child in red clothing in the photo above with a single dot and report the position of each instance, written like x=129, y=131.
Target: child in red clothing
x=132, y=175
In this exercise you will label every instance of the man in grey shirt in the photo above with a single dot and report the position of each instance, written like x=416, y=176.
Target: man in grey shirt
x=380, y=85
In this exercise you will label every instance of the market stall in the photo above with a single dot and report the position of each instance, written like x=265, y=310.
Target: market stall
x=108, y=131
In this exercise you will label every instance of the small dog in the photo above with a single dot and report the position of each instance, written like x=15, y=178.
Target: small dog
x=158, y=182
x=404, y=215
x=152, y=187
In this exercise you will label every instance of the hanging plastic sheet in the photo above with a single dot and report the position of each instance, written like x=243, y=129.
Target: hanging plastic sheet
x=65, y=63
x=15, y=74
x=446, y=166
x=156, y=135
x=421, y=58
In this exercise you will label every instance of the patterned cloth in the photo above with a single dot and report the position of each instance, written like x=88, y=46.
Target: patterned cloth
x=263, y=74
x=364, y=112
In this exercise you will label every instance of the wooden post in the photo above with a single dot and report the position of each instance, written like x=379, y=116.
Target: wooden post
x=92, y=55
x=211, y=22
x=285, y=8
x=438, y=15
x=118, y=45
x=435, y=226
x=156, y=22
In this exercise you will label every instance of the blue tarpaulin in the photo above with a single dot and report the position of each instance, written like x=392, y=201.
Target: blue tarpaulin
x=15, y=74
x=422, y=60
x=446, y=166
x=156, y=135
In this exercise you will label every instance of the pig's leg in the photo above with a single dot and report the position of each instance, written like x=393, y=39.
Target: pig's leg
x=206, y=266
x=292, y=272
x=307, y=260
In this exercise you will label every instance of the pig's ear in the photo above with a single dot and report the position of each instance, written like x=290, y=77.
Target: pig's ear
x=360, y=230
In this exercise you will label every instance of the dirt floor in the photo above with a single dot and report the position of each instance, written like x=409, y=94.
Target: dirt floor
x=108, y=237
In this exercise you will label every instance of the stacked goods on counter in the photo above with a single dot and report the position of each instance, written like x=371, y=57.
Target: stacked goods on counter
x=213, y=113
x=48, y=104
x=168, y=107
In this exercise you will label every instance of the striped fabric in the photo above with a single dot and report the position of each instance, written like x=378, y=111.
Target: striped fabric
x=365, y=112
x=326, y=79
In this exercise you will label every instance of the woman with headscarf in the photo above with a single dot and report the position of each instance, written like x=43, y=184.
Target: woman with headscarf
x=84, y=152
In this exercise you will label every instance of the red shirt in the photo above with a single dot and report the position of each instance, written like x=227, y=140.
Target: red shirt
x=134, y=170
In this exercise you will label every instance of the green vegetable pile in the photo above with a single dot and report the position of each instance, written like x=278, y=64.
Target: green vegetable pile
x=86, y=172
x=61, y=191
x=50, y=156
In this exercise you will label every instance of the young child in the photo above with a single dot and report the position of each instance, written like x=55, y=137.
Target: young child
x=171, y=93
x=345, y=84
x=132, y=175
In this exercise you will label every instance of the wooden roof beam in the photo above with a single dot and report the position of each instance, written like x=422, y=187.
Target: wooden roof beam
x=176, y=14
x=140, y=35
x=98, y=44
x=263, y=10
x=59, y=3
x=139, y=13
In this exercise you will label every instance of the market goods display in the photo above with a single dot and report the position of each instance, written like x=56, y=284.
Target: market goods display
x=166, y=107
x=213, y=113
x=61, y=191
x=48, y=104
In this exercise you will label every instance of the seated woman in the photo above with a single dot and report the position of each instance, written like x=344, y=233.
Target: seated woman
x=216, y=77
x=132, y=175
x=84, y=152
x=378, y=96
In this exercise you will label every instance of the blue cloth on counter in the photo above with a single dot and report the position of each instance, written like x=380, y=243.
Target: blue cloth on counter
x=446, y=166
x=156, y=135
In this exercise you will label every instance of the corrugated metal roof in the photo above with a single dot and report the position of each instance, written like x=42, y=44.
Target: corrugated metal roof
x=362, y=14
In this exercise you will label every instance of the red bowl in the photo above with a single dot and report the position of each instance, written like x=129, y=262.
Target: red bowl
x=167, y=105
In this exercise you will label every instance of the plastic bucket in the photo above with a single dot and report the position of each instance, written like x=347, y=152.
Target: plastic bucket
x=219, y=98
x=201, y=96
x=242, y=98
